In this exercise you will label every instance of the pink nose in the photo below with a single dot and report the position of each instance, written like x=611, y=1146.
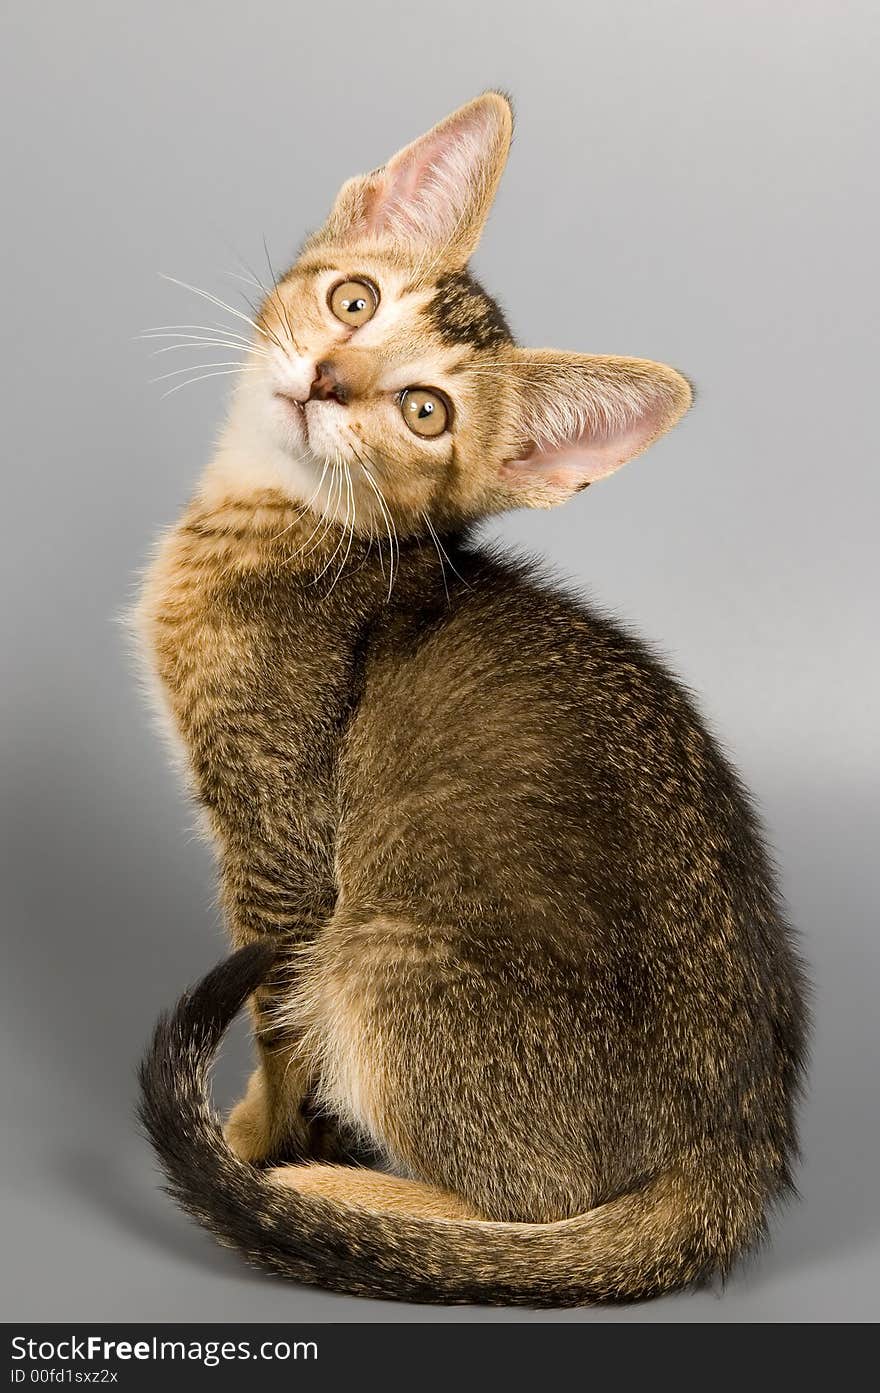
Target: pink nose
x=327, y=386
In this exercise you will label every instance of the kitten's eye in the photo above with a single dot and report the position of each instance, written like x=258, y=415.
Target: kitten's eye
x=354, y=302
x=426, y=413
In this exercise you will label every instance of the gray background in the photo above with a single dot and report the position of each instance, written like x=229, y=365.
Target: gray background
x=690, y=181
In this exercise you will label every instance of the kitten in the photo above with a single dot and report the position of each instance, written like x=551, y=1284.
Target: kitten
x=529, y=1021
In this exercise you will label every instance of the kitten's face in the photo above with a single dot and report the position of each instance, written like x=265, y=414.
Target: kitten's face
x=393, y=373
x=387, y=381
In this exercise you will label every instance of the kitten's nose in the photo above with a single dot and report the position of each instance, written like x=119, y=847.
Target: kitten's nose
x=327, y=386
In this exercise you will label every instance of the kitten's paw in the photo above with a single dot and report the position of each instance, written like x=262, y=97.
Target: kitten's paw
x=259, y=1131
x=248, y=1132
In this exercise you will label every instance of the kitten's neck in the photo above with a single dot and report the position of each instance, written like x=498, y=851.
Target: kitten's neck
x=264, y=534
x=251, y=513
x=250, y=509
x=228, y=543
x=264, y=530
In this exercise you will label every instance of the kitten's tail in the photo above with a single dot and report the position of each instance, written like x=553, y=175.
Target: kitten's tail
x=676, y=1230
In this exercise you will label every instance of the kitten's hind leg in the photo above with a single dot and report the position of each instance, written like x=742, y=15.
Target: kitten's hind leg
x=458, y=1076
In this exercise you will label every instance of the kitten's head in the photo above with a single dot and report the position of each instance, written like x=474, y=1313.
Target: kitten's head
x=384, y=377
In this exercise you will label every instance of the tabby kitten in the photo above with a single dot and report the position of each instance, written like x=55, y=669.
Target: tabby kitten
x=528, y=1018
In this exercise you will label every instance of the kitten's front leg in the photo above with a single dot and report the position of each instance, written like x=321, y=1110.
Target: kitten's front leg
x=275, y=1120
x=258, y=691
x=271, y=1123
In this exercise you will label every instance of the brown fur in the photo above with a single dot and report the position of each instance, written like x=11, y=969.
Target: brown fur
x=533, y=962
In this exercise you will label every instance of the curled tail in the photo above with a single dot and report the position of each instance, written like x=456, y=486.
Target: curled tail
x=676, y=1230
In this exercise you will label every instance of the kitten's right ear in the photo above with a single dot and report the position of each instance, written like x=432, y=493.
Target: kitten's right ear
x=434, y=195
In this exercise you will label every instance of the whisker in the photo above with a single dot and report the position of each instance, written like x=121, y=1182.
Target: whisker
x=376, y=536
x=206, y=343
x=253, y=279
x=221, y=304
x=433, y=536
x=337, y=474
x=389, y=522
x=353, y=496
x=326, y=519
x=344, y=530
x=270, y=332
x=225, y=372
x=304, y=508
x=175, y=331
x=193, y=367
x=376, y=462
x=248, y=280
x=282, y=308
x=369, y=547
x=442, y=552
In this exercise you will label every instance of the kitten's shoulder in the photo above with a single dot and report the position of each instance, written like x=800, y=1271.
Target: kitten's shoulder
x=511, y=612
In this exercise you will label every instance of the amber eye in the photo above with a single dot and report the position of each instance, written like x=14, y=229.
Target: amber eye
x=354, y=302
x=425, y=412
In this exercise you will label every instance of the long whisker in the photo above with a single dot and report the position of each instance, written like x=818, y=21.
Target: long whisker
x=389, y=522
x=348, y=527
x=322, y=522
x=371, y=537
x=341, y=541
x=254, y=280
x=353, y=496
x=379, y=549
x=253, y=309
x=326, y=519
x=375, y=461
x=282, y=308
x=161, y=331
x=248, y=280
x=224, y=372
x=206, y=343
x=221, y=304
x=193, y=367
x=304, y=508
x=433, y=536
x=442, y=552
x=375, y=536
x=388, y=528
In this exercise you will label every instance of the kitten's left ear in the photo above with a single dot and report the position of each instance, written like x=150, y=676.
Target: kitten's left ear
x=434, y=195
x=581, y=417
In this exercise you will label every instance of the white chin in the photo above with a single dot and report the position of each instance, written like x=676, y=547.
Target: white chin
x=324, y=433
x=306, y=433
x=291, y=424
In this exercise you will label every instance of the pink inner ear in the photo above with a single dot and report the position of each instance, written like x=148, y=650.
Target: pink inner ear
x=428, y=186
x=398, y=198
x=568, y=467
